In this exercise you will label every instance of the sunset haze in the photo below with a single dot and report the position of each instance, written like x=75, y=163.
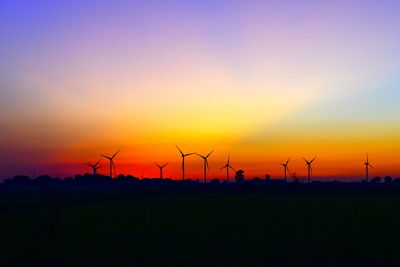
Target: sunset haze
x=261, y=80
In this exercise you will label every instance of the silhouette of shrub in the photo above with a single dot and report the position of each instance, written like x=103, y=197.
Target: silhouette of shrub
x=19, y=180
x=388, y=179
x=377, y=179
x=215, y=181
x=121, y=177
x=239, y=176
x=46, y=180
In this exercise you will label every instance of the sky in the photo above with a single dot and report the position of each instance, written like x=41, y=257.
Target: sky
x=261, y=80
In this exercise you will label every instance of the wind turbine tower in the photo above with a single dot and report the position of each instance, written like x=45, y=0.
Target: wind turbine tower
x=367, y=165
x=228, y=166
x=112, y=165
x=95, y=167
x=161, y=167
x=183, y=161
x=309, y=168
x=206, y=166
x=285, y=168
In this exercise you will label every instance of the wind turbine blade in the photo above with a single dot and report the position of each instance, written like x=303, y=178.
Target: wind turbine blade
x=115, y=154
x=231, y=168
x=224, y=167
x=287, y=161
x=97, y=162
x=287, y=168
x=371, y=166
x=305, y=160
x=105, y=156
x=208, y=167
x=209, y=154
x=313, y=159
x=179, y=150
x=229, y=158
x=157, y=165
x=164, y=165
x=190, y=154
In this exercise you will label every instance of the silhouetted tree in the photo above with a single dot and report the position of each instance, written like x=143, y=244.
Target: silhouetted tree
x=121, y=177
x=256, y=180
x=267, y=177
x=68, y=180
x=18, y=180
x=239, y=176
x=377, y=179
x=46, y=180
x=131, y=178
x=295, y=178
x=214, y=181
x=388, y=179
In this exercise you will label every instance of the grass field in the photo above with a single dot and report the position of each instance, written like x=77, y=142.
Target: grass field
x=200, y=230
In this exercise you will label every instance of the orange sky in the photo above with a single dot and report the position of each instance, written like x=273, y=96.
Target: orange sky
x=262, y=81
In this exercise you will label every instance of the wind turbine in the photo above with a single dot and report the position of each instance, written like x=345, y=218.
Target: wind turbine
x=94, y=167
x=205, y=164
x=183, y=161
x=161, y=169
x=112, y=165
x=228, y=166
x=367, y=165
x=285, y=168
x=309, y=168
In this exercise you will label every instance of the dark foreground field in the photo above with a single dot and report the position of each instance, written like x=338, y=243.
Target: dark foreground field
x=113, y=229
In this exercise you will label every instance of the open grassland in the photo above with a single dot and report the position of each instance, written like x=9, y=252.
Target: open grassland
x=115, y=228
